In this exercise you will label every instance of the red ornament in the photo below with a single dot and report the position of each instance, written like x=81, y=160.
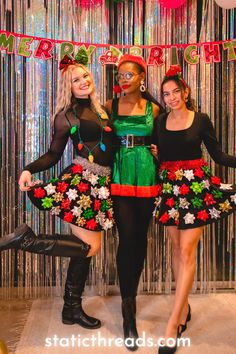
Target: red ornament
x=209, y=200
x=170, y=202
x=184, y=189
x=97, y=204
x=172, y=4
x=62, y=187
x=66, y=204
x=91, y=224
x=164, y=218
x=107, y=129
x=83, y=187
x=68, y=217
x=80, y=146
x=215, y=180
x=171, y=176
x=199, y=173
x=39, y=193
x=77, y=169
x=202, y=215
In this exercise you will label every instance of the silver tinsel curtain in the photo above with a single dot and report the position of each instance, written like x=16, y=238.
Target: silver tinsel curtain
x=27, y=102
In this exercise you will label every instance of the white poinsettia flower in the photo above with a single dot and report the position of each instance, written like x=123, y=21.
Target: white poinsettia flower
x=189, y=218
x=226, y=186
x=72, y=194
x=189, y=174
x=103, y=193
x=183, y=203
x=50, y=189
x=77, y=211
x=215, y=214
x=205, y=184
x=176, y=190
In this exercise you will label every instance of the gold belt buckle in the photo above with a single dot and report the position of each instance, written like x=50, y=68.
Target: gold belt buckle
x=130, y=140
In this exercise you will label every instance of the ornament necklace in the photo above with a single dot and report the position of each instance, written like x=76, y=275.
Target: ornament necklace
x=100, y=143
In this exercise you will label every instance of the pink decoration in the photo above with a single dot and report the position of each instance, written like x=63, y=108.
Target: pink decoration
x=86, y=4
x=172, y=4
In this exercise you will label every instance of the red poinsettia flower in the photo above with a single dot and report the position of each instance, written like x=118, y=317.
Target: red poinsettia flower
x=159, y=189
x=77, y=169
x=215, y=180
x=62, y=187
x=209, y=200
x=65, y=204
x=199, y=172
x=170, y=202
x=97, y=204
x=171, y=176
x=91, y=224
x=164, y=218
x=174, y=70
x=83, y=187
x=68, y=217
x=184, y=189
x=39, y=193
x=202, y=215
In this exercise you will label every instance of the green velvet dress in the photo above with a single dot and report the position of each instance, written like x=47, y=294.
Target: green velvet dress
x=135, y=170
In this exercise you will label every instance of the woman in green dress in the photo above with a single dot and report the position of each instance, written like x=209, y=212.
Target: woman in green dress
x=134, y=181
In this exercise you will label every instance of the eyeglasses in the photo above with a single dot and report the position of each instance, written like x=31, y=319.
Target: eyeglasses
x=127, y=76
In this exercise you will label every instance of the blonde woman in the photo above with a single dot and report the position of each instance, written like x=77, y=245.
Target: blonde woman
x=81, y=195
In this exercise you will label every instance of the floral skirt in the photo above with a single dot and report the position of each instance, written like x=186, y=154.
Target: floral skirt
x=80, y=196
x=190, y=196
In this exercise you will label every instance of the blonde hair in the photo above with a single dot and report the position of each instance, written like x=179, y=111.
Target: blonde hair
x=65, y=96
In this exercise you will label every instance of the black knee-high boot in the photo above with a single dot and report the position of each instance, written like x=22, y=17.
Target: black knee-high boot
x=59, y=245
x=75, y=283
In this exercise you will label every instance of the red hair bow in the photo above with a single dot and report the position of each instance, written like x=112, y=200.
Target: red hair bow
x=65, y=62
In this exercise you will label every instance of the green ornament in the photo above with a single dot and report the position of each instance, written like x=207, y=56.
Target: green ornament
x=104, y=205
x=73, y=129
x=207, y=170
x=88, y=214
x=196, y=187
x=75, y=180
x=52, y=180
x=102, y=181
x=217, y=193
x=47, y=202
x=197, y=203
x=167, y=188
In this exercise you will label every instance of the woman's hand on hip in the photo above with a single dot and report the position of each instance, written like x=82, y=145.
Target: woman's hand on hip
x=154, y=150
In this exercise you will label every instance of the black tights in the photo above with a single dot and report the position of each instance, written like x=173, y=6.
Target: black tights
x=132, y=217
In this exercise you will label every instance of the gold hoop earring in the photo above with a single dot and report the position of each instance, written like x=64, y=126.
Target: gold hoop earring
x=142, y=87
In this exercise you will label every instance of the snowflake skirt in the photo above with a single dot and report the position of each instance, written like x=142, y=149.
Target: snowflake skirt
x=79, y=196
x=190, y=196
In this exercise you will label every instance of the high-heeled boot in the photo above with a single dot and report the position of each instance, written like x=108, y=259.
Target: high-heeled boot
x=129, y=322
x=75, y=283
x=24, y=238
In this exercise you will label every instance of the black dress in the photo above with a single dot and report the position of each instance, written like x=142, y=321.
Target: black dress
x=81, y=194
x=189, y=195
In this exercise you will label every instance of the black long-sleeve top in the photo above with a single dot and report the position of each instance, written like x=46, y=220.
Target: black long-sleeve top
x=80, y=115
x=186, y=144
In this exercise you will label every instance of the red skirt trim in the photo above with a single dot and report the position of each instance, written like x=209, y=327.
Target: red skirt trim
x=134, y=191
x=182, y=164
